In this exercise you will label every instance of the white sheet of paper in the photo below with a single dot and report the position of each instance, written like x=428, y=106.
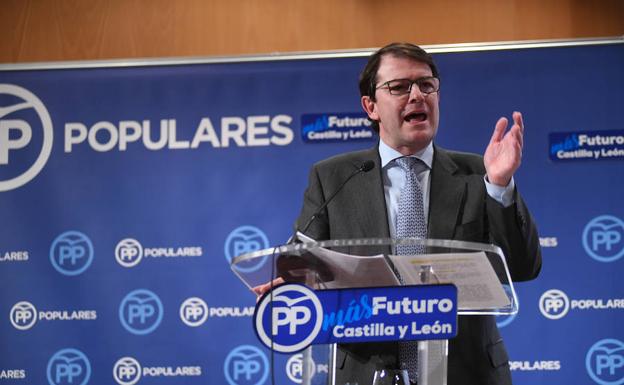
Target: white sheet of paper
x=477, y=284
x=356, y=271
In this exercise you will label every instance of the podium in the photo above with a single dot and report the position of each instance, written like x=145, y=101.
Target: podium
x=479, y=271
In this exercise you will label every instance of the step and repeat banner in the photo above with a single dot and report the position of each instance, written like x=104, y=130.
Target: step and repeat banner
x=125, y=191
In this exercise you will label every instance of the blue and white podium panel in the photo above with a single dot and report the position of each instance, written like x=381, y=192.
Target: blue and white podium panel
x=291, y=317
x=126, y=191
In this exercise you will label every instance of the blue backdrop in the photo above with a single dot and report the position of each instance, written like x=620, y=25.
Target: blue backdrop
x=124, y=192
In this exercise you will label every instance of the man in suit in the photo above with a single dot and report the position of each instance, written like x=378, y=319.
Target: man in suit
x=465, y=197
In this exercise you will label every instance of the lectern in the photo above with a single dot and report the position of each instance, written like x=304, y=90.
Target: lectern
x=479, y=271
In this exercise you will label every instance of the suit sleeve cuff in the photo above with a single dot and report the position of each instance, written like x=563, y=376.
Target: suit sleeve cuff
x=503, y=195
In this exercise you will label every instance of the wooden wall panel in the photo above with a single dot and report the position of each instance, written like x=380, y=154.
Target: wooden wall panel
x=51, y=30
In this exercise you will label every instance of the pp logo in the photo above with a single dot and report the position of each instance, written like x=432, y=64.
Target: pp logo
x=194, y=311
x=246, y=239
x=294, y=368
x=128, y=252
x=23, y=315
x=294, y=322
x=246, y=365
x=603, y=238
x=69, y=366
x=605, y=362
x=16, y=133
x=140, y=312
x=71, y=253
x=127, y=371
x=554, y=304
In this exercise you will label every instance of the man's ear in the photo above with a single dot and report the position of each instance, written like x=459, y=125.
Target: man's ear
x=370, y=107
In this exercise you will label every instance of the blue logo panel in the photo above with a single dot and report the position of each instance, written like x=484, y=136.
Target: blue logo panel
x=586, y=145
x=336, y=127
x=294, y=316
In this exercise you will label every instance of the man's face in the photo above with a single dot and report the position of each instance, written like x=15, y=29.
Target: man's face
x=407, y=122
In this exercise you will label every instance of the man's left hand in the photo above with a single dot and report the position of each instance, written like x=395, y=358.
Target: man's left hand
x=504, y=152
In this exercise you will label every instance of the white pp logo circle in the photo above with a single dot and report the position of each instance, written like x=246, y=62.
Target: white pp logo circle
x=127, y=371
x=194, y=311
x=23, y=315
x=291, y=313
x=128, y=252
x=10, y=142
x=554, y=304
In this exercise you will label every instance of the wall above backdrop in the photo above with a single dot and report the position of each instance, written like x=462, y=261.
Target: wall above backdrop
x=50, y=30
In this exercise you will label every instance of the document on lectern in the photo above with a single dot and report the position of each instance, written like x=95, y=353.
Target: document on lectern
x=478, y=286
x=350, y=271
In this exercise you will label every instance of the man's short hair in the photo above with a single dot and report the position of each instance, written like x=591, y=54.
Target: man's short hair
x=368, y=77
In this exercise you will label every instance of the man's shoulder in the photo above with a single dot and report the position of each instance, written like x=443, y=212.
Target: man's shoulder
x=464, y=162
x=347, y=159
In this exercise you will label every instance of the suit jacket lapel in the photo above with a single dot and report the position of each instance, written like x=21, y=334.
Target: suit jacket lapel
x=370, y=199
x=445, y=197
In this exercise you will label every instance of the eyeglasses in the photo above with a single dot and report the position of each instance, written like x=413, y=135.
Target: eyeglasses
x=426, y=85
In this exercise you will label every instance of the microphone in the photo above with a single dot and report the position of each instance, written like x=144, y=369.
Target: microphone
x=284, y=263
x=364, y=167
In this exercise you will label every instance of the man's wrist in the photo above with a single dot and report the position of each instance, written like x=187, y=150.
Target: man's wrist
x=501, y=182
x=501, y=194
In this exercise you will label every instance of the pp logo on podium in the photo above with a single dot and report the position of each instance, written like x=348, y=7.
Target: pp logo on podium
x=71, y=253
x=69, y=366
x=246, y=365
x=295, y=321
x=295, y=367
x=246, y=239
x=603, y=238
x=605, y=362
x=140, y=312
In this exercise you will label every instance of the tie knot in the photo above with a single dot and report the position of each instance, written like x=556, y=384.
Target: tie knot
x=409, y=163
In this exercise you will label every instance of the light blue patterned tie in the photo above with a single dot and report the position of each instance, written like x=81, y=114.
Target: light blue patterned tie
x=410, y=224
x=411, y=213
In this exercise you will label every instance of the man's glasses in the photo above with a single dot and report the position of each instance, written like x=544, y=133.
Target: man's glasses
x=426, y=85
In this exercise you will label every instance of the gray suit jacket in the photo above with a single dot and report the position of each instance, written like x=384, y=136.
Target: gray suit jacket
x=459, y=209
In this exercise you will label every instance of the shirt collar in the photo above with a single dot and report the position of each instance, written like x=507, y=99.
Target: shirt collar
x=388, y=154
